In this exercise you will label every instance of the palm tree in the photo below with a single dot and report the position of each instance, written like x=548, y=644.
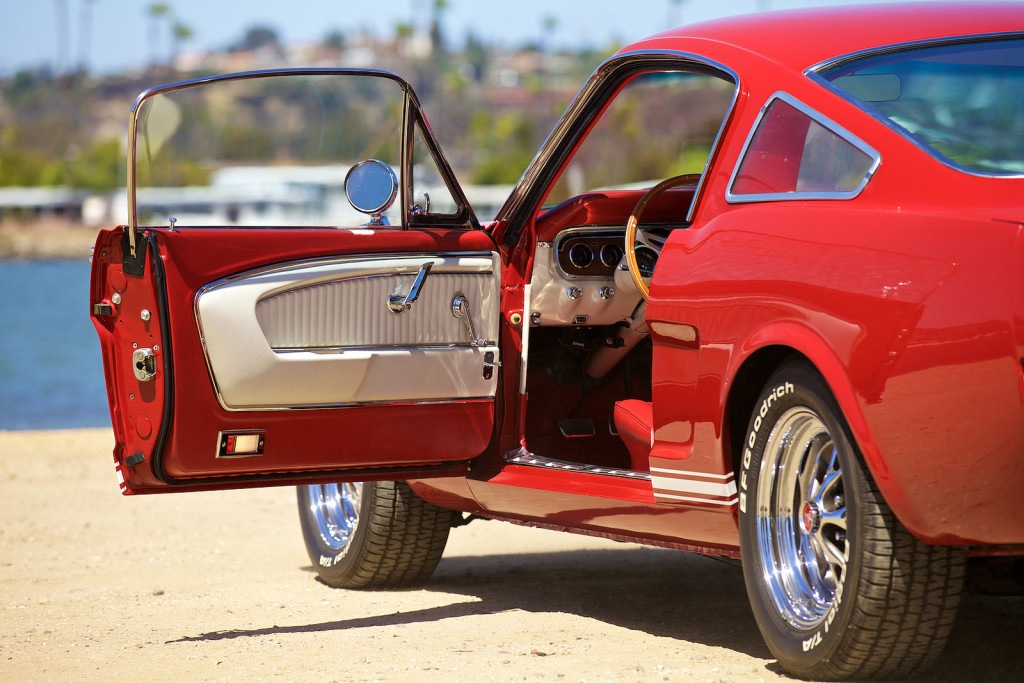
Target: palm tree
x=157, y=11
x=63, y=35
x=180, y=33
x=84, y=34
x=675, y=13
x=436, y=33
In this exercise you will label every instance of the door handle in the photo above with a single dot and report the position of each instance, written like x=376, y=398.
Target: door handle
x=460, y=309
x=398, y=303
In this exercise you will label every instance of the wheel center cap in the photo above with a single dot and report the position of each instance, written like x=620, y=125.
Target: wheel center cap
x=810, y=518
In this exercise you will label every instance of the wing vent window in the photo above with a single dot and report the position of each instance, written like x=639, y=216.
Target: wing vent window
x=792, y=154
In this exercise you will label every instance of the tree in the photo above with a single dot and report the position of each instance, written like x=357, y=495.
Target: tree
x=675, y=13
x=476, y=56
x=258, y=37
x=63, y=35
x=84, y=34
x=180, y=33
x=158, y=12
x=335, y=40
x=436, y=33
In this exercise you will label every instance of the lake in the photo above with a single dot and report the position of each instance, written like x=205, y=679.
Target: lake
x=51, y=373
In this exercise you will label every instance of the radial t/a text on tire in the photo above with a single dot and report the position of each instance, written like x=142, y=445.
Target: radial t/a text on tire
x=371, y=534
x=839, y=588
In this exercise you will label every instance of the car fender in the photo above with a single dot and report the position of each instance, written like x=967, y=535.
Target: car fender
x=803, y=339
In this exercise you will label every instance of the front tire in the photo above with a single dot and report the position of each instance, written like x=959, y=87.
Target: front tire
x=373, y=534
x=839, y=588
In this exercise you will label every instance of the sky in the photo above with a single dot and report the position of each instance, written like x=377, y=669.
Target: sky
x=109, y=36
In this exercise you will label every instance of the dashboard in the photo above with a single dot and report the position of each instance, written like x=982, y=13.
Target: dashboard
x=579, y=278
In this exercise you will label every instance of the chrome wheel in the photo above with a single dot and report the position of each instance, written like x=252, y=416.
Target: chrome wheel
x=375, y=534
x=839, y=588
x=334, y=511
x=801, y=519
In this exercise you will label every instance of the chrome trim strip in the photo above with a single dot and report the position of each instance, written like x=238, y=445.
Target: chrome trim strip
x=825, y=122
x=588, y=231
x=524, y=364
x=370, y=347
x=362, y=404
x=133, y=219
x=835, y=62
x=353, y=258
x=527, y=459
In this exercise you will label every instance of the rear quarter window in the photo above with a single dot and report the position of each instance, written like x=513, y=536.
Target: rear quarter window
x=793, y=153
x=962, y=102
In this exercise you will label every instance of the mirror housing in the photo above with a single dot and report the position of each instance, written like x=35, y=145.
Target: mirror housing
x=371, y=187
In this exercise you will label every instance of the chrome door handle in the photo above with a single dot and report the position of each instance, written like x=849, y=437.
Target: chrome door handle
x=398, y=303
x=460, y=309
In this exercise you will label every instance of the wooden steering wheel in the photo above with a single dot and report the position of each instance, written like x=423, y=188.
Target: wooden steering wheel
x=634, y=221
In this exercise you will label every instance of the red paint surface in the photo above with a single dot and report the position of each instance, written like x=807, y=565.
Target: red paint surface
x=909, y=300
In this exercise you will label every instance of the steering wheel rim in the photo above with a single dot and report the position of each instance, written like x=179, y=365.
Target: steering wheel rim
x=634, y=221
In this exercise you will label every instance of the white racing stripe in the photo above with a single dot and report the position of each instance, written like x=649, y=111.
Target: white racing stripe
x=697, y=487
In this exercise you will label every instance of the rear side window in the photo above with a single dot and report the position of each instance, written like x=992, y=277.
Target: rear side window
x=962, y=102
x=795, y=154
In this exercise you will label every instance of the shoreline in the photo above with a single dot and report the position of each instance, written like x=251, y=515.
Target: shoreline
x=45, y=239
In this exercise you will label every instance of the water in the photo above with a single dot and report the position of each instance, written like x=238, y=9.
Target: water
x=51, y=372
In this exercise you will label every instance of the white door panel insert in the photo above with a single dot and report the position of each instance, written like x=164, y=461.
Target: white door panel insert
x=320, y=333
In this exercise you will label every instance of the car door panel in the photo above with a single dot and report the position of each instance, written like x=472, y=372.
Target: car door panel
x=417, y=408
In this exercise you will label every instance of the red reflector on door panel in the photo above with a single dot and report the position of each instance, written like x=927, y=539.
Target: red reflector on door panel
x=239, y=444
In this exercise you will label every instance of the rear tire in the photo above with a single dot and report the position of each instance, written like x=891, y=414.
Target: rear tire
x=839, y=588
x=373, y=534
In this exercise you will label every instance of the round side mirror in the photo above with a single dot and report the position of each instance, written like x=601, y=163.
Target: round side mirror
x=371, y=186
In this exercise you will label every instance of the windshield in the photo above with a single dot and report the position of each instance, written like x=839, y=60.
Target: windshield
x=264, y=150
x=963, y=102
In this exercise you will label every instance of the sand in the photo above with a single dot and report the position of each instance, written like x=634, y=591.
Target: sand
x=217, y=586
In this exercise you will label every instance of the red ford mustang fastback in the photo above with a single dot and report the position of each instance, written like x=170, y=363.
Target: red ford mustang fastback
x=760, y=295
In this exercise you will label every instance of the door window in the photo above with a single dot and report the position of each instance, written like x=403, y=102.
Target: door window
x=658, y=125
x=275, y=149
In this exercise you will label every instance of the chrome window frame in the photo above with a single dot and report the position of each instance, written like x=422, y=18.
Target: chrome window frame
x=796, y=195
x=413, y=120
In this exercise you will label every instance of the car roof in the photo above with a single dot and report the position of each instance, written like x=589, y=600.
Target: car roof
x=800, y=39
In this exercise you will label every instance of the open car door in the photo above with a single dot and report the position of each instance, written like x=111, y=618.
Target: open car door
x=258, y=328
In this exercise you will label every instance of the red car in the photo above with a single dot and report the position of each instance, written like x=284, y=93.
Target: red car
x=760, y=295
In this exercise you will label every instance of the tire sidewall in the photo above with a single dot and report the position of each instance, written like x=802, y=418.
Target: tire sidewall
x=334, y=564
x=798, y=650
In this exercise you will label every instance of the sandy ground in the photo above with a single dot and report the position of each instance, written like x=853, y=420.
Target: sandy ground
x=217, y=586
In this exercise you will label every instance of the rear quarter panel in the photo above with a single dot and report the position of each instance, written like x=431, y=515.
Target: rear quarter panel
x=910, y=316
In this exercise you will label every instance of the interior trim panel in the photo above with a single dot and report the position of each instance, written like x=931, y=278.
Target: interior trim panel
x=321, y=333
